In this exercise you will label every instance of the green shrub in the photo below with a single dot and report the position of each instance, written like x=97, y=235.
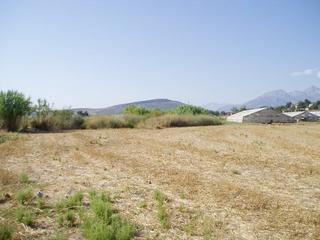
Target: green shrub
x=40, y=203
x=73, y=202
x=190, y=110
x=45, y=119
x=167, y=121
x=161, y=207
x=23, y=196
x=25, y=217
x=43, y=123
x=142, y=111
x=102, y=209
x=132, y=121
x=5, y=232
x=23, y=177
x=103, y=222
x=159, y=197
x=135, y=110
x=13, y=107
x=163, y=216
x=66, y=119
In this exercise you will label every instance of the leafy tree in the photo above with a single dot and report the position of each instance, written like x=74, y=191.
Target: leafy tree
x=234, y=110
x=42, y=108
x=303, y=104
x=13, y=107
x=135, y=110
x=190, y=109
x=66, y=119
x=243, y=108
x=83, y=113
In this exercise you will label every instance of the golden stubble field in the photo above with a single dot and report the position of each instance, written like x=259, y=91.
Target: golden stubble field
x=221, y=182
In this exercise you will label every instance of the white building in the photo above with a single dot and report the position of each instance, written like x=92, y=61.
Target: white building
x=260, y=115
x=303, y=116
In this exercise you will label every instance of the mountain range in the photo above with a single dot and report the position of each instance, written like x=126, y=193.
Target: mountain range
x=268, y=99
x=162, y=104
x=272, y=99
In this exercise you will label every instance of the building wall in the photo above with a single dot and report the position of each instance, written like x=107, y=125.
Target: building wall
x=267, y=116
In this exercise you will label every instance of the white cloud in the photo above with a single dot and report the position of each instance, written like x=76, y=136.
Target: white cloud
x=307, y=72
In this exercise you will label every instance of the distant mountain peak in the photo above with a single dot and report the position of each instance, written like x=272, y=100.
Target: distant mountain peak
x=281, y=97
x=274, y=99
x=312, y=89
x=161, y=103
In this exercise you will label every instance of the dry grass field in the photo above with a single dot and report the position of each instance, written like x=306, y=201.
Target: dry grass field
x=220, y=182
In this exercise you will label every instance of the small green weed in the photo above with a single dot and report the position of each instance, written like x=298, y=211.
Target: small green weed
x=70, y=218
x=24, y=216
x=60, y=220
x=40, y=203
x=24, y=196
x=143, y=204
x=103, y=223
x=23, y=177
x=5, y=232
x=161, y=207
x=73, y=202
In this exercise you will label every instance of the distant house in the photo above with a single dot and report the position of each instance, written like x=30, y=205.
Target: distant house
x=260, y=115
x=303, y=116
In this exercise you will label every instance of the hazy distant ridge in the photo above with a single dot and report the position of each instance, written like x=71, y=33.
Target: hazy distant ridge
x=272, y=99
x=281, y=97
x=163, y=104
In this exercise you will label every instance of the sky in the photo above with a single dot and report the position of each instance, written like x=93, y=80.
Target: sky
x=79, y=53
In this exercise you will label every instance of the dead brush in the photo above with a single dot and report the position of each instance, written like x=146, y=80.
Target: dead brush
x=7, y=177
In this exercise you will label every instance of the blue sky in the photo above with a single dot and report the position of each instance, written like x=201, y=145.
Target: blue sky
x=100, y=53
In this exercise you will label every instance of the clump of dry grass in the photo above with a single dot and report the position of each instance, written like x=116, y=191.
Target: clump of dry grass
x=167, y=121
x=7, y=177
x=98, y=122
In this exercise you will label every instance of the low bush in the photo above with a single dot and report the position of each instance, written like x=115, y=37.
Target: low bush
x=57, y=120
x=99, y=122
x=135, y=110
x=43, y=124
x=66, y=119
x=190, y=110
x=132, y=120
x=167, y=121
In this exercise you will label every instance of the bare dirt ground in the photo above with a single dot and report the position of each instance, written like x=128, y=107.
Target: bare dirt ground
x=222, y=182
